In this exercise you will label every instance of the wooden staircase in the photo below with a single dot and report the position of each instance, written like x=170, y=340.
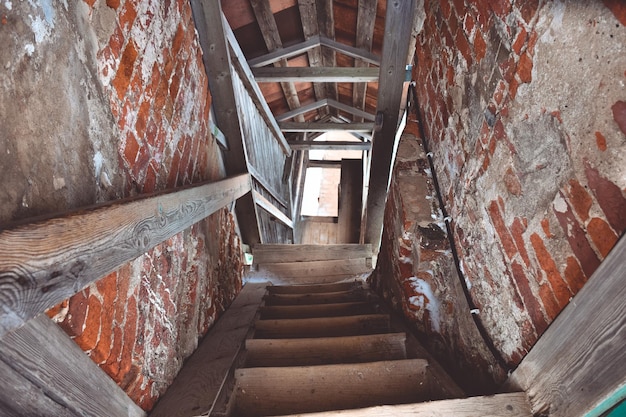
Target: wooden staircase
x=329, y=348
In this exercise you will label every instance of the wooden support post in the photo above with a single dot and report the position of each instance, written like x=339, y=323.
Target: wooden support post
x=399, y=22
x=47, y=261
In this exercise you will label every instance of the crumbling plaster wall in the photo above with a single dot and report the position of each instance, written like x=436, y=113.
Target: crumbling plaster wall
x=523, y=106
x=102, y=100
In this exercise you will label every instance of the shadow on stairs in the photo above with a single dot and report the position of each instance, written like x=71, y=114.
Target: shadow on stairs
x=327, y=348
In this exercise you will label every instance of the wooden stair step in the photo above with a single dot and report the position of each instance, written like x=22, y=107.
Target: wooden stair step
x=322, y=327
x=275, y=391
x=317, y=310
x=325, y=350
x=315, y=272
x=268, y=253
x=315, y=298
x=314, y=288
x=500, y=405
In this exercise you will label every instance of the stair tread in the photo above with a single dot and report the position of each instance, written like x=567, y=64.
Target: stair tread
x=325, y=350
x=322, y=326
x=314, y=288
x=299, y=389
x=277, y=253
x=318, y=310
x=316, y=298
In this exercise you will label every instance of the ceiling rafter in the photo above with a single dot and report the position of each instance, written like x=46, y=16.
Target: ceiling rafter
x=310, y=28
x=318, y=74
x=366, y=18
x=325, y=127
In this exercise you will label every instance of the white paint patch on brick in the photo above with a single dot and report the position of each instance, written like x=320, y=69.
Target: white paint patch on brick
x=559, y=204
x=432, y=305
x=8, y=5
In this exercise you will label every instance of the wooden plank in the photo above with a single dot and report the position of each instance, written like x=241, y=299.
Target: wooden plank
x=499, y=405
x=351, y=51
x=247, y=78
x=325, y=350
x=42, y=353
x=580, y=360
x=324, y=127
x=317, y=74
x=209, y=24
x=324, y=164
x=322, y=327
x=285, y=52
x=256, y=175
x=315, y=298
x=272, y=391
x=331, y=145
x=317, y=310
x=310, y=28
x=351, y=110
x=398, y=31
x=366, y=19
x=320, y=219
x=326, y=24
x=267, y=205
x=302, y=110
x=316, y=288
x=317, y=268
x=198, y=384
x=47, y=261
x=20, y=397
x=351, y=187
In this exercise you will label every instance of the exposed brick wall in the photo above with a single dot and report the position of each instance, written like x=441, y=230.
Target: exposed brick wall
x=142, y=321
x=523, y=109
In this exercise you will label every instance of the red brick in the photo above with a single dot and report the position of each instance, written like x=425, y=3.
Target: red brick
x=113, y=4
x=143, y=115
x=498, y=130
x=149, y=184
x=528, y=9
x=601, y=141
x=513, y=84
x=177, y=41
x=619, y=114
x=480, y=47
x=112, y=364
x=77, y=311
x=561, y=292
x=618, y=8
x=89, y=338
x=131, y=148
x=512, y=183
x=602, y=235
x=127, y=16
x=446, y=9
x=53, y=311
x=125, y=69
x=116, y=42
x=574, y=275
x=609, y=197
x=482, y=14
x=129, y=340
x=173, y=173
x=524, y=68
x=453, y=24
x=90, y=3
x=530, y=302
x=507, y=69
x=464, y=47
x=470, y=24
x=549, y=302
x=578, y=240
x=520, y=41
x=517, y=230
x=545, y=225
x=498, y=222
x=500, y=7
x=580, y=199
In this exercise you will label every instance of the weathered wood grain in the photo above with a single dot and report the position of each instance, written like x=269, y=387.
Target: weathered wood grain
x=322, y=327
x=310, y=28
x=272, y=391
x=325, y=350
x=285, y=53
x=350, y=200
x=60, y=372
x=47, y=261
x=499, y=405
x=359, y=53
x=366, y=19
x=317, y=288
x=198, y=384
x=317, y=310
x=315, y=298
x=399, y=22
x=581, y=359
x=316, y=268
x=316, y=74
x=267, y=205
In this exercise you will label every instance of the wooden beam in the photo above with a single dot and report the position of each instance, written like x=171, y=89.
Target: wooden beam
x=500, y=405
x=45, y=262
x=317, y=268
x=351, y=51
x=267, y=205
x=398, y=26
x=331, y=146
x=301, y=253
x=351, y=110
x=317, y=74
x=302, y=110
x=209, y=22
x=324, y=164
x=350, y=201
x=196, y=387
x=256, y=176
x=269, y=30
x=325, y=127
x=285, y=53
x=366, y=19
x=56, y=377
x=326, y=24
x=310, y=28
x=580, y=360
x=247, y=78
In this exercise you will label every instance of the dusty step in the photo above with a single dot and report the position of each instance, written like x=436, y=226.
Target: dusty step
x=500, y=405
x=322, y=327
x=325, y=350
x=317, y=310
x=315, y=298
x=302, y=389
x=268, y=253
x=314, y=288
